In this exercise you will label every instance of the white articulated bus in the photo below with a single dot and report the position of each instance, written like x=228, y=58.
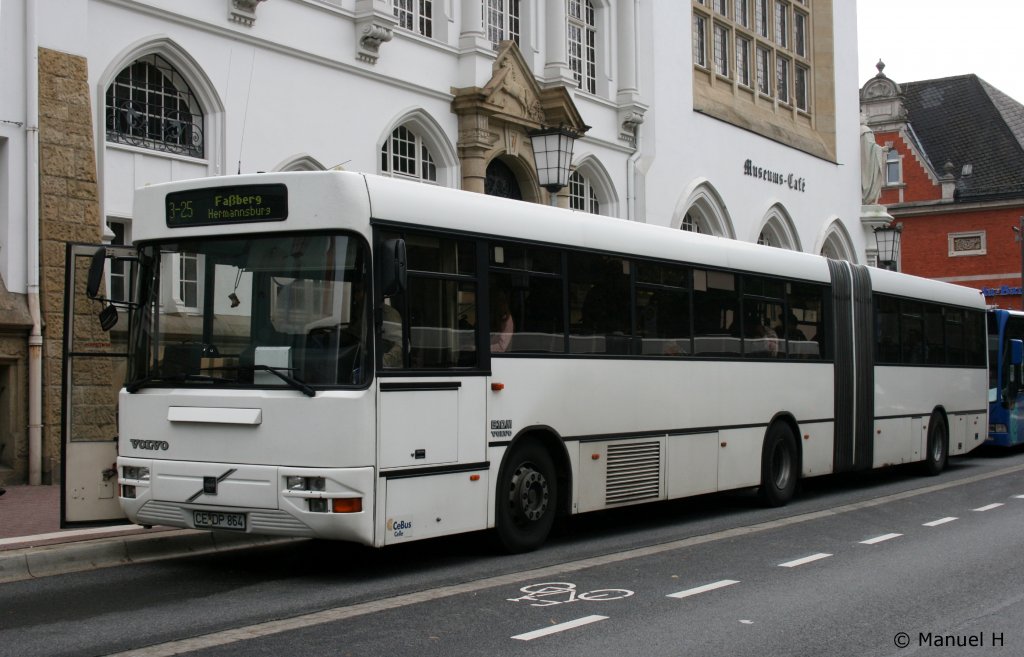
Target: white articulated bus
x=353, y=357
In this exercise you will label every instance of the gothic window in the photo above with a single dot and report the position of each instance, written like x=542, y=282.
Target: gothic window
x=415, y=15
x=582, y=41
x=405, y=155
x=582, y=195
x=692, y=224
x=150, y=105
x=501, y=21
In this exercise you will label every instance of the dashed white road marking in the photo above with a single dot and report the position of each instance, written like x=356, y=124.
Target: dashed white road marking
x=703, y=589
x=879, y=539
x=804, y=560
x=940, y=521
x=989, y=507
x=1019, y=497
x=561, y=627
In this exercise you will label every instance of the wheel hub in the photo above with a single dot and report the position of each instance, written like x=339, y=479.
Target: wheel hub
x=529, y=493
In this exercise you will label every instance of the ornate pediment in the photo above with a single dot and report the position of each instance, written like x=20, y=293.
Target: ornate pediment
x=512, y=95
x=512, y=89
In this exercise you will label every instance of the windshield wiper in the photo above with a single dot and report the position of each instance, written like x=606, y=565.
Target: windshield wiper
x=279, y=372
x=182, y=377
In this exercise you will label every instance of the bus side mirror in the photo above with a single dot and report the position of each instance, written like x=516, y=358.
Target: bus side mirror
x=107, y=316
x=393, y=267
x=96, y=267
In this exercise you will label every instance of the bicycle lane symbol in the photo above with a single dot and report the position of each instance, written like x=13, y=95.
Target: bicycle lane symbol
x=557, y=593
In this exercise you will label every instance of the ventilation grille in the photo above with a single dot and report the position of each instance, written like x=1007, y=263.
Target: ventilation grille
x=634, y=473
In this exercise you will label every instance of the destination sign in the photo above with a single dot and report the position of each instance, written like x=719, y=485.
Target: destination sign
x=227, y=205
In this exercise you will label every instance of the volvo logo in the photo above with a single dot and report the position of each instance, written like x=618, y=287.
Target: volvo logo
x=152, y=445
x=210, y=485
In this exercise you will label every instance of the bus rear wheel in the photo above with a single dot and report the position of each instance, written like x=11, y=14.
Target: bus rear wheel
x=526, y=498
x=779, y=469
x=937, y=454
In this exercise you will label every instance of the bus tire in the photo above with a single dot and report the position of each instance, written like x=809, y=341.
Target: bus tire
x=527, y=496
x=779, y=469
x=937, y=454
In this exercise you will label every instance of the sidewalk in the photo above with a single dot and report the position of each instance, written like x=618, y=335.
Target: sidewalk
x=32, y=543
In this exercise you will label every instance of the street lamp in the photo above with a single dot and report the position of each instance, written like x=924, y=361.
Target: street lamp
x=552, y=154
x=888, y=240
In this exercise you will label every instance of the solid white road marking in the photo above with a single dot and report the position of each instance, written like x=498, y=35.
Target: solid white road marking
x=561, y=627
x=940, y=521
x=270, y=628
x=989, y=507
x=703, y=589
x=1019, y=497
x=879, y=539
x=800, y=562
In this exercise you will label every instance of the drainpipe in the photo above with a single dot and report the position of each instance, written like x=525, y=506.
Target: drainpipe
x=35, y=338
x=631, y=175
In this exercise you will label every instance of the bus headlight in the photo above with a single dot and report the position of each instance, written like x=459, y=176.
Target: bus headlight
x=305, y=483
x=997, y=428
x=135, y=472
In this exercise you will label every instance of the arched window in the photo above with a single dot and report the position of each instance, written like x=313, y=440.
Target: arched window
x=582, y=195
x=405, y=155
x=150, y=105
x=692, y=223
x=501, y=21
x=778, y=230
x=702, y=210
x=582, y=42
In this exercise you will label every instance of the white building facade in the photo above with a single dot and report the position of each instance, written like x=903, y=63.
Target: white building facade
x=733, y=117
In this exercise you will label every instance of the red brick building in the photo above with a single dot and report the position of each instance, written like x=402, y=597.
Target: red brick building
x=953, y=178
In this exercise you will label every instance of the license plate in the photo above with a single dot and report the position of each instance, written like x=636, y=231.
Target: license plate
x=219, y=520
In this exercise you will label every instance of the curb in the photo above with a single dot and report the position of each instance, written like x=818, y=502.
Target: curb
x=45, y=561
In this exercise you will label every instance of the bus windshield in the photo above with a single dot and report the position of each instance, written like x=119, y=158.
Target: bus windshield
x=252, y=311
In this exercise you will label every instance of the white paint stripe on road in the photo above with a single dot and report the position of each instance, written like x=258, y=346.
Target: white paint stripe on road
x=804, y=560
x=989, y=507
x=561, y=627
x=703, y=589
x=940, y=521
x=1019, y=497
x=879, y=539
x=553, y=572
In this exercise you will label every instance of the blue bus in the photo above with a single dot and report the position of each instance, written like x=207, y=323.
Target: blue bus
x=1005, y=393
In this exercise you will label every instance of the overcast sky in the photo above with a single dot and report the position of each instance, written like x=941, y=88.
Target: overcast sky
x=928, y=39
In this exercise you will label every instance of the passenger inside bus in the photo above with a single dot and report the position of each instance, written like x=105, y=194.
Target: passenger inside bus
x=502, y=326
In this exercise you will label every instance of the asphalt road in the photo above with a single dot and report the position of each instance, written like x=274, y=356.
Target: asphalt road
x=887, y=563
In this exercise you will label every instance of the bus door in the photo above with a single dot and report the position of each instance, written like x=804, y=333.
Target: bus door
x=94, y=372
x=854, y=385
x=431, y=403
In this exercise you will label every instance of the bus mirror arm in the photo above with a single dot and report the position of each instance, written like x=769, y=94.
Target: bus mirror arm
x=393, y=267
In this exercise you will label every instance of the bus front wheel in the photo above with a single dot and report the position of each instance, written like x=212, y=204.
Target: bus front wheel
x=526, y=498
x=938, y=445
x=779, y=469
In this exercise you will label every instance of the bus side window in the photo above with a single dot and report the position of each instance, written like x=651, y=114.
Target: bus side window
x=437, y=312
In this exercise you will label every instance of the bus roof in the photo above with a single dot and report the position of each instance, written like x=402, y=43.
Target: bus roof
x=314, y=200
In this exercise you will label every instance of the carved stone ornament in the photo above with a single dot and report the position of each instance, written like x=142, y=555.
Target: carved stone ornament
x=375, y=24
x=243, y=12
x=511, y=90
x=630, y=119
x=371, y=36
